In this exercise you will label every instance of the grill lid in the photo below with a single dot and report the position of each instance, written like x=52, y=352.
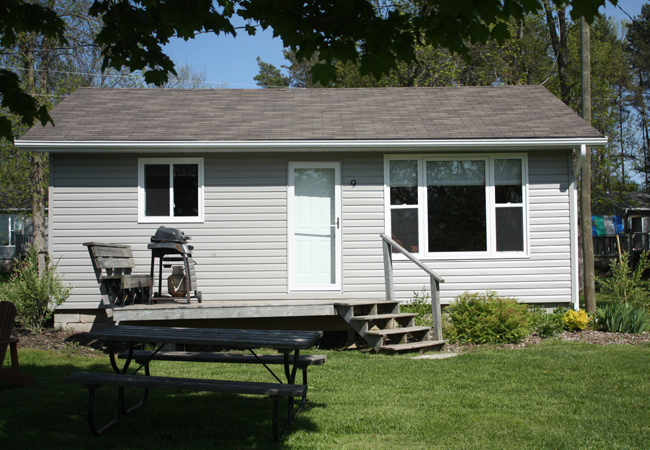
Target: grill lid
x=167, y=234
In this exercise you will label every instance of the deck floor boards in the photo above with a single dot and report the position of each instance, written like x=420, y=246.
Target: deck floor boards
x=231, y=309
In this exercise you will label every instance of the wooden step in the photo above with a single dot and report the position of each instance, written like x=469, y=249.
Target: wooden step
x=412, y=347
x=404, y=330
x=366, y=302
x=383, y=316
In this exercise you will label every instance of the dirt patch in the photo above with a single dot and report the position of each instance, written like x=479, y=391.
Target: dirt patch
x=74, y=341
x=60, y=340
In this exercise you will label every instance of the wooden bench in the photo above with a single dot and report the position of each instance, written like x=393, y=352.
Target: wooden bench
x=113, y=265
x=304, y=361
x=94, y=380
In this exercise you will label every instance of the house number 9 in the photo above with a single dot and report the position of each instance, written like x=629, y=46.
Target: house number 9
x=353, y=183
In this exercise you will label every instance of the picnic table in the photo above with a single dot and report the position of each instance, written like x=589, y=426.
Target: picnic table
x=287, y=343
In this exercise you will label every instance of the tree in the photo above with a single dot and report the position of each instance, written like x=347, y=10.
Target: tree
x=133, y=32
x=270, y=76
x=186, y=78
x=638, y=50
x=47, y=68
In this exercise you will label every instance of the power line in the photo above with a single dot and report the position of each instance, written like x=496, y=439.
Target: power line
x=132, y=76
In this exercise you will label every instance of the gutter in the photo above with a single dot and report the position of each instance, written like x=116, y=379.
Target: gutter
x=307, y=145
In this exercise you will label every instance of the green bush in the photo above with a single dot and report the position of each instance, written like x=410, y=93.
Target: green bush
x=489, y=319
x=449, y=332
x=623, y=318
x=546, y=324
x=35, y=297
x=624, y=284
x=420, y=304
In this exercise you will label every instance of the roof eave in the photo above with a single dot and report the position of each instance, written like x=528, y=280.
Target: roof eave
x=306, y=145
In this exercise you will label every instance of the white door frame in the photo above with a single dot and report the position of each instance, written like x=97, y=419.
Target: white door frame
x=337, y=226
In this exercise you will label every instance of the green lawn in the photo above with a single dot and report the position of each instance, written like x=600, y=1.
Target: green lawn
x=558, y=395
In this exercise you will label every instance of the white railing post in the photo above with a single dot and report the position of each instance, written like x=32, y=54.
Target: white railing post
x=436, y=310
x=388, y=271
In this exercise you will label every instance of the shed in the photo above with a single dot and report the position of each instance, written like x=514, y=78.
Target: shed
x=285, y=192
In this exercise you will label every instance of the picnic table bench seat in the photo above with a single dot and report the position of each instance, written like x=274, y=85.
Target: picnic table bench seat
x=275, y=391
x=304, y=361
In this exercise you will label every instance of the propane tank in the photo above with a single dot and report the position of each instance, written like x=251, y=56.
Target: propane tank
x=176, y=282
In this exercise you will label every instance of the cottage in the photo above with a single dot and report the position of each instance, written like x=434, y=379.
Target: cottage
x=285, y=192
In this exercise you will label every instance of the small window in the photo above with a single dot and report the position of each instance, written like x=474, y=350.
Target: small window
x=509, y=205
x=170, y=189
x=12, y=229
x=404, y=203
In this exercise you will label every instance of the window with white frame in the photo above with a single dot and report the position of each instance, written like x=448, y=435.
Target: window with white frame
x=12, y=227
x=170, y=189
x=458, y=205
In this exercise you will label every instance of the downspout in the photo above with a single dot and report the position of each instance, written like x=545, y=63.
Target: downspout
x=575, y=248
x=580, y=161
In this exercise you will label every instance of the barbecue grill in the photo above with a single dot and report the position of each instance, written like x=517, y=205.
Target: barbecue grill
x=170, y=245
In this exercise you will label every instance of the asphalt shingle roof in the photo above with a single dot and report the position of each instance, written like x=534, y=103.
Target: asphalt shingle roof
x=490, y=112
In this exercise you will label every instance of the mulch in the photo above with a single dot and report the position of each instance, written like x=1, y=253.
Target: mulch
x=586, y=337
x=74, y=341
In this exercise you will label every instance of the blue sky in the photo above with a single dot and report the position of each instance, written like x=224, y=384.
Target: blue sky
x=232, y=62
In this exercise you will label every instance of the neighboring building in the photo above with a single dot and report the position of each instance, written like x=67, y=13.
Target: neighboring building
x=632, y=210
x=15, y=234
x=285, y=192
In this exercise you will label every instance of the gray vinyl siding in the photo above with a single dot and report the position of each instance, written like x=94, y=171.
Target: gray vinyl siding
x=241, y=248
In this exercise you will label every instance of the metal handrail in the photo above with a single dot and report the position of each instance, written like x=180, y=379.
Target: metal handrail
x=436, y=310
x=410, y=256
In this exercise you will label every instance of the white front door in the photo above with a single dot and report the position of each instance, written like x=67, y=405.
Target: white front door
x=314, y=226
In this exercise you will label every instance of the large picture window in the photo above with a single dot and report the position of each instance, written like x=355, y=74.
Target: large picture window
x=464, y=206
x=170, y=189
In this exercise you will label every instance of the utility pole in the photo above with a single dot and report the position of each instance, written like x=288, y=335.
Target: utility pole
x=585, y=192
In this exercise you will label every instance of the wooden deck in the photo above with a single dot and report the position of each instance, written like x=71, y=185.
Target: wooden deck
x=234, y=309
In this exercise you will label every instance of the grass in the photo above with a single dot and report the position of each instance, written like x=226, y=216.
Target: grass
x=558, y=395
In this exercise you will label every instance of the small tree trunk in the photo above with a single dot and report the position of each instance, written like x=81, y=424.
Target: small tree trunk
x=38, y=208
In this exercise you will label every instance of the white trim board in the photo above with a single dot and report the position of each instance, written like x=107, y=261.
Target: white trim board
x=306, y=146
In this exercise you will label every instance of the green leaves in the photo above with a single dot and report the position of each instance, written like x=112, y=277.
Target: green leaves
x=134, y=32
x=16, y=18
x=376, y=36
x=623, y=318
x=21, y=17
x=488, y=318
x=16, y=100
x=35, y=296
x=625, y=284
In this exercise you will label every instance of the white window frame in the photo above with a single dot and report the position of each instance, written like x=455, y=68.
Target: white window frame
x=491, y=205
x=142, y=218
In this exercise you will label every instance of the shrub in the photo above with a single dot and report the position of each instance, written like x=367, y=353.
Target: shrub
x=35, y=297
x=575, y=320
x=449, y=332
x=546, y=324
x=625, y=284
x=623, y=319
x=488, y=318
x=420, y=304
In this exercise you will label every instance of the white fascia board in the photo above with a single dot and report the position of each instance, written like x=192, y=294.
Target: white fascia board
x=304, y=146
